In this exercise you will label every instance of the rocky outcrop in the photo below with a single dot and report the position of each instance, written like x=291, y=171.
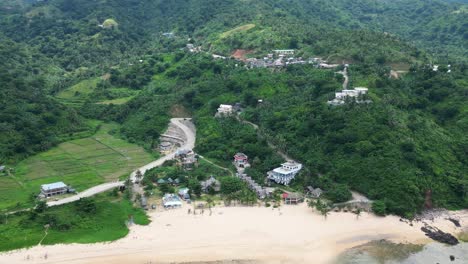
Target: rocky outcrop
x=439, y=236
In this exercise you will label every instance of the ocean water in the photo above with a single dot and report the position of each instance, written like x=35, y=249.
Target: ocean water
x=384, y=252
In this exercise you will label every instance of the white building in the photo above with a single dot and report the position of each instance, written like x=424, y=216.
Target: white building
x=285, y=173
x=340, y=97
x=284, y=52
x=52, y=189
x=225, y=109
x=171, y=200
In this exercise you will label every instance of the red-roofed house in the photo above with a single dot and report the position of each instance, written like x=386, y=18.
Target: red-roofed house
x=241, y=160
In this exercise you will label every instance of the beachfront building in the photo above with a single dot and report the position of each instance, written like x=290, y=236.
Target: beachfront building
x=171, y=200
x=340, y=97
x=56, y=188
x=292, y=198
x=241, y=160
x=286, y=173
x=184, y=194
x=225, y=109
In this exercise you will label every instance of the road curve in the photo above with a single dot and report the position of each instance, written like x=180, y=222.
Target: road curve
x=190, y=135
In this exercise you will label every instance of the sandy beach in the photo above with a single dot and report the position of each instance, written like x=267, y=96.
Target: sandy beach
x=292, y=234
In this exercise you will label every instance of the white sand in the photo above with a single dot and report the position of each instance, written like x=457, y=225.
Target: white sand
x=293, y=234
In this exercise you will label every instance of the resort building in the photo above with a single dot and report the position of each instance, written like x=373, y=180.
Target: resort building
x=286, y=173
x=241, y=160
x=52, y=189
x=284, y=52
x=171, y=200
x=225, y=110
x=340, y=97
x=292, y=198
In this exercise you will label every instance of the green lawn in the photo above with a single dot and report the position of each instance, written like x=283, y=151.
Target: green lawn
x=81, y=163
x=69, y=224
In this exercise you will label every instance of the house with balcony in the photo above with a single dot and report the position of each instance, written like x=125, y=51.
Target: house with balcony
x=225, y=110
x=56, y=188
x=286, y=173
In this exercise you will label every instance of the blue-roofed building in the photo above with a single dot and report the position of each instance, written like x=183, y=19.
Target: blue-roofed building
x=52, y=189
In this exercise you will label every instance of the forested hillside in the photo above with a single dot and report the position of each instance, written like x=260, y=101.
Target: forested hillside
x=65, y=62
x=30, y=121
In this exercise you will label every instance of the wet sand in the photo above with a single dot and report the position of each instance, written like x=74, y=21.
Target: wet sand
x=293, y=234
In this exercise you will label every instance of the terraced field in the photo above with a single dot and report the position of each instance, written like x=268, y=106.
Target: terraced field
x=81, y=163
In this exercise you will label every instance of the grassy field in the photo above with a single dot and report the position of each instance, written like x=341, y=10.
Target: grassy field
x=117, y=101
x=81, y=163
x=79, y=92
x=69, y=224
x=85, y=90
x=237, y=29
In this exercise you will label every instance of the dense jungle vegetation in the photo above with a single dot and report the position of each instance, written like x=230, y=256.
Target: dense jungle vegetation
x=65, y=62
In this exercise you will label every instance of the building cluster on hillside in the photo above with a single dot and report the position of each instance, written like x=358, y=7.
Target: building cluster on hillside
x=283, y=58
x=241, y=161
x=227, y=110
x=436, y=68
x=186, y=158
x=354, y=94
x=193, y=49
x=286, y=173
x=261, y=192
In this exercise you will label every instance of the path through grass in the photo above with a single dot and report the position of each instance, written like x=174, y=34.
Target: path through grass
x=81, y=163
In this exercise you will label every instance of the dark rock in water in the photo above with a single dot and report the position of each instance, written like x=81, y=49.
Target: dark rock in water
x=439, y=236
x=452, y=257
x=455, y=222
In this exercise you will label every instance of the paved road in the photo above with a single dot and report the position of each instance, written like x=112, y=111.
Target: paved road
x=190, y=134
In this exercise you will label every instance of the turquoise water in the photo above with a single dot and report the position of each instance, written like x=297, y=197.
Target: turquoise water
x=383, y=252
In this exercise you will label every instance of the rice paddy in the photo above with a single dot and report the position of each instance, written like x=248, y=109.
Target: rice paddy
x=81, y=163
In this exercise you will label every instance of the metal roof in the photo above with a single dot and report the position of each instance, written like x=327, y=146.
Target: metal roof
x=52, y=186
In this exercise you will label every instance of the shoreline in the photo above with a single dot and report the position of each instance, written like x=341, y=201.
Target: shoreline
x=291, y=234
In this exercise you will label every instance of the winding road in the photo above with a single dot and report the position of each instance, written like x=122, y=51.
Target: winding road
x=190, y=135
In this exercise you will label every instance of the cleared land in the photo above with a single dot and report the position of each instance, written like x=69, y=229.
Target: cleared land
x=237, y=29
x=78, y=93
x=81, y=163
